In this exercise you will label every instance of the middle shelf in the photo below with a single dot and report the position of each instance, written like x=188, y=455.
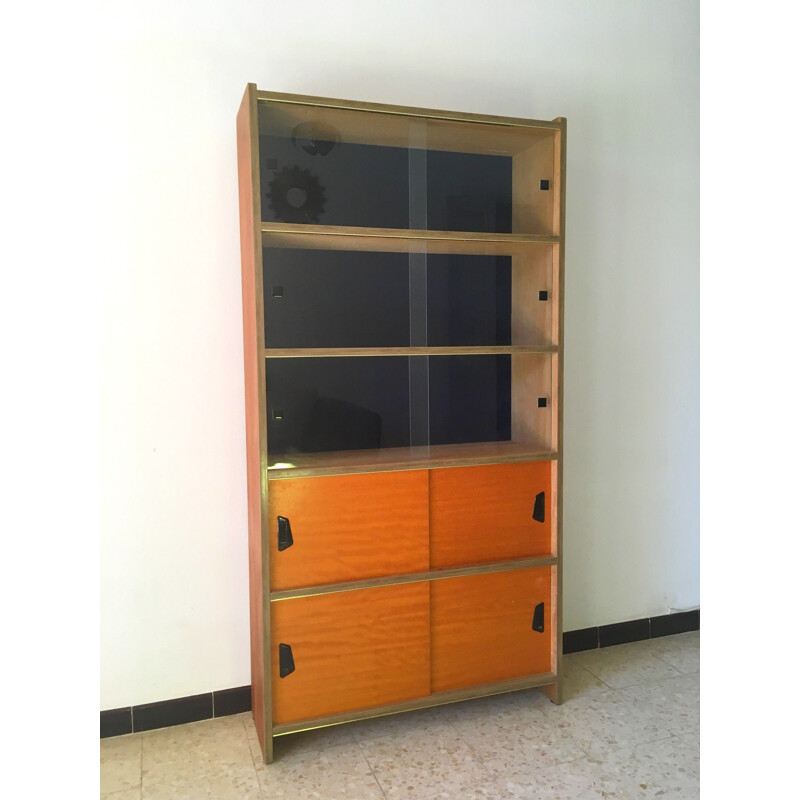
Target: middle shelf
x=320, y=297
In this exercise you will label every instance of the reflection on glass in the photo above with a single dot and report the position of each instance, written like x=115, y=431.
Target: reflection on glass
x=329, y=404
x=334, y=298
x=341, y=183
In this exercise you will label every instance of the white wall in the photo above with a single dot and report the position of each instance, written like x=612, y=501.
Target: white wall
x=625, y=74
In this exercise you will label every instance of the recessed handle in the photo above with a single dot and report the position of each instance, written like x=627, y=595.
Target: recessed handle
x=538, y=507
x=538, y=618
x=285, y=538
x=286, y=660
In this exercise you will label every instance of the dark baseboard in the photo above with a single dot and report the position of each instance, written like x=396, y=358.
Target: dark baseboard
x=633, y=631
x=147, y=717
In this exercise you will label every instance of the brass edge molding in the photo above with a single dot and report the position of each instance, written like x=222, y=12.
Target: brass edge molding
x=415, y=577
x=405, y=111
x=435, y=699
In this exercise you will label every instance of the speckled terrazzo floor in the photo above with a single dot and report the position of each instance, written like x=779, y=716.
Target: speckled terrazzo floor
x=629, y=728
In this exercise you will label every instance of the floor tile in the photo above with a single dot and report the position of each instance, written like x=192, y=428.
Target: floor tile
x=339, y=772
x=429, y=766
x=125, y=794
x=578, y=681
x=241, y=785
x=673, y=705
x=521, y=737
x=120, y=763
x=603, y=723
x=664, y=769
x=625, y=664
x=198, y=751
x=681, y=651
x=432, y=721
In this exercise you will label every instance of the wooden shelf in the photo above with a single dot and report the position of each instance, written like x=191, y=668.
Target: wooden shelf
x=400, y=240
x=326, y=352
x=345, y=462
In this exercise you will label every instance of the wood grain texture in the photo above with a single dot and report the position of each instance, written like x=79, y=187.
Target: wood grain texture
x=532, y=319
x=349, y=527
x=483, y=514
x=301, y=465
x=351, y=650
x=255, y=404
x=400, y=240
x=534, y=208
x=532, y=378
x=481, y=628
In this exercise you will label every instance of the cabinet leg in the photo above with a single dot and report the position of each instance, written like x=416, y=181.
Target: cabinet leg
x=553, y=692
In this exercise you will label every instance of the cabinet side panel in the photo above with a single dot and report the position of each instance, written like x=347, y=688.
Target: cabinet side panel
x=558, y=380
x=253, y=323
x=534, y=206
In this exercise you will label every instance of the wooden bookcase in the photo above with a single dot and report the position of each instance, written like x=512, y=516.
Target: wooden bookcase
x=403, y=294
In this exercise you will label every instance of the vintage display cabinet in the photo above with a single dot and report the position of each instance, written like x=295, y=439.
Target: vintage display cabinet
x=403, y=294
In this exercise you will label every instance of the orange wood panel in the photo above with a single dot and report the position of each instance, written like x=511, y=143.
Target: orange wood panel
x=351, y=650
x=481, y=628
x=485, y=513
x=349, y=527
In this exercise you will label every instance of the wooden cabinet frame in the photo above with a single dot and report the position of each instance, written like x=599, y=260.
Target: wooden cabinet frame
x=537, y=147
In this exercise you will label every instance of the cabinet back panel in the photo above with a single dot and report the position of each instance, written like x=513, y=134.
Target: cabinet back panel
x=349, y=527
x=351, y=650
x=485, y=513
x=481, y=628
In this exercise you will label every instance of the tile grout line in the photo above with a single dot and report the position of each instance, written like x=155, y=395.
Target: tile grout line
x=369, y=766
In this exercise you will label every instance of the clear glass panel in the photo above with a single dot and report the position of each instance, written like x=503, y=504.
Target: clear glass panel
x=326, y=404
x=319, y=405
x=331, y=166
x=340, y=299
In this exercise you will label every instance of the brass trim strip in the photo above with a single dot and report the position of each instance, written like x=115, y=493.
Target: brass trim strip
x=405, y=111
x=415, y=577
x=435, y=699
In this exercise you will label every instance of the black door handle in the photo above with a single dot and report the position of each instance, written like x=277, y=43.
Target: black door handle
x=284, y=533
x=538, y=618
x=538, y=507
x=286, y=660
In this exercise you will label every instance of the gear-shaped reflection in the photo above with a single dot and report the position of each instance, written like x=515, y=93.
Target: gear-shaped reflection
x=295, y=195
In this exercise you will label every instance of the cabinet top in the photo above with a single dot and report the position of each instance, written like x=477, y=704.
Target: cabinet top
x=408, y=111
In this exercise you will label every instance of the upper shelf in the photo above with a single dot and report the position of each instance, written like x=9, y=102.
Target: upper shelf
x=399, y=240
x=401, y=126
